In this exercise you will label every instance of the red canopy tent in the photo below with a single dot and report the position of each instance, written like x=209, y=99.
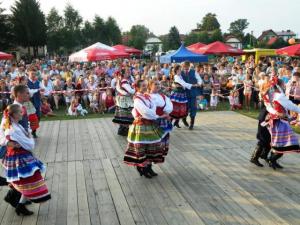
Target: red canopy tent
x=293, y=50
x=129, y=50
x=5, y=56
x=195, y=47
x=219, y=48
x=97, y=52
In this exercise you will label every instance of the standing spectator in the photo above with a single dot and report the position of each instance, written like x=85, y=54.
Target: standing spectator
x=34, y=88
x=240, y=85
x=4, y=97
x=248, y=90
x=166, y=70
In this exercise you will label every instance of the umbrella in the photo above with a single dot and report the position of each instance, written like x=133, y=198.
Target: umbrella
x=183, y=54
x=219, y=48
x=128, y=50
x=97, y=52
x=195, y=47
x=293, y=50
x=5, y=56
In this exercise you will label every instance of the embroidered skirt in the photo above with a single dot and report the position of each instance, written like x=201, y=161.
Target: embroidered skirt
x=283, y=138
x=34, y=121
x=123, y=116
x=165, y=125
x=144, y=143
x=23, y=171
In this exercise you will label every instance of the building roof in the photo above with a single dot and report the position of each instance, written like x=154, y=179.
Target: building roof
x=153, y=40
x=266, y=32
x=232, y=36
x=285, y=33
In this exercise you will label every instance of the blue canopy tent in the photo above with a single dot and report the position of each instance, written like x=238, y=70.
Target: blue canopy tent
x=183, y=54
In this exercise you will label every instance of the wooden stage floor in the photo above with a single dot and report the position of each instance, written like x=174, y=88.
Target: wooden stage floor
x=206, y=179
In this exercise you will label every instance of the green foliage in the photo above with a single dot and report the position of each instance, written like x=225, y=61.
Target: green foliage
x=173, y=41
x=55, y=25
x=6, y=36
x=216, y=35
x=72, y=29
x=113, y=31
x=29, y=24
x=249, y=41
x=209, y=23
x=194, y=37
x=138, y=35
x=238, y=27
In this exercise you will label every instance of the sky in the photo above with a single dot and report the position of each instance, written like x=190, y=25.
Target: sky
x=160, y=15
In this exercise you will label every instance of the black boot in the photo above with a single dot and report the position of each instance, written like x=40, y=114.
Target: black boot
x=144, y=171
x=22, y=210
x=3, y=181
x=185, y=122
x=255, y=156
x=273, y=161
x=123, y=131
x=176, y=124
x=34, y=134
x=192, y=123
x=151, y=172
x=12, y=197
x=264, y=154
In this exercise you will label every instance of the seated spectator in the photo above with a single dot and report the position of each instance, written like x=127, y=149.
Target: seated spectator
x=46, y=109
x=76, y=109
x=69, y=93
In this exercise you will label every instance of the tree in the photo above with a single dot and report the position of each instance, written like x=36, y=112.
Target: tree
x=194, y=37
x=209, y=23
x=101, y=34
x=113, y=31
x=138, y=35
x=237, y=27
x=279, y=43
x=29, y=24
x=6, y=36
x=88, y=34
x=216, y=35
x=71, y=30
x=173, y=39
x=55, y=27
x=249, y=41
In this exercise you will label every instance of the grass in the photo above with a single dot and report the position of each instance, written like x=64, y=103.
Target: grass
x=61, y=114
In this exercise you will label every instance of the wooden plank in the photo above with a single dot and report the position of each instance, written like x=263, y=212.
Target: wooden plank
x=62, y=206
x=106, y=206
x=50, y=151
x=72, y=209
x=91, y=194
x=44, y=207
x=78, y=142
x=62, y=151
x=95, y=143
x=71, y=141
x=83, y=206
x=120, y=202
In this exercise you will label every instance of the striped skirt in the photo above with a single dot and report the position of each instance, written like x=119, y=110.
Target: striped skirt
x=180, y=110
x=165, y=144
x=283, y=138
x=23, y=171
x=144, y=143
x=165, y=125
x=33, y=188
x=123, y=116
x=34, y=121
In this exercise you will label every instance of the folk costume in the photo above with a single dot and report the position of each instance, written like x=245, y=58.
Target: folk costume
x=23, y=170
x=283, y=138
x=189, y=76
x=163, y=106
x=144, y=136
x=124, y=105
x=179, y=99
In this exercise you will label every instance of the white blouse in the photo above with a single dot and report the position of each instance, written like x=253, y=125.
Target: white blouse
x=159, y=101
x=145, y=107
x=178, y=79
